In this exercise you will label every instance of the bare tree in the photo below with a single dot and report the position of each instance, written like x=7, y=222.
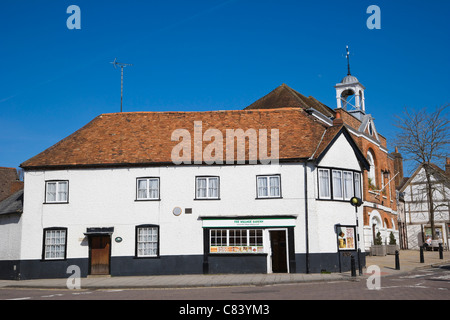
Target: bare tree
x=424, y=137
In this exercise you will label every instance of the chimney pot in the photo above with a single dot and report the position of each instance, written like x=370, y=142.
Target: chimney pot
x=338, y=120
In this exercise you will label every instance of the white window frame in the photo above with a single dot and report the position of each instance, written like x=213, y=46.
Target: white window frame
x=357, y=184
x=209, y=194
x=341, y=183
x=348, y=194
x=269, y=186
x=382, y=175
x=58, y=191
x=148, y=190
x=55, y=241
x=371, y=174
x=147, y=245
x=339, y=176
x=322, y=196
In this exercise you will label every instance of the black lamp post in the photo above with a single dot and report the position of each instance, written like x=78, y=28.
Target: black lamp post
x=357, y=202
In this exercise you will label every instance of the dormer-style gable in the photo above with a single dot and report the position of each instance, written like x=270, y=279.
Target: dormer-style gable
x=367, y=127
x=338, y=149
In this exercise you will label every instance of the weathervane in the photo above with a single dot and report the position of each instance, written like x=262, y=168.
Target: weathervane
x=122, y=65
x=348, y=62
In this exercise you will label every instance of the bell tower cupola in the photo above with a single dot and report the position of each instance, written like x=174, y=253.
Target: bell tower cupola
x=350, y=94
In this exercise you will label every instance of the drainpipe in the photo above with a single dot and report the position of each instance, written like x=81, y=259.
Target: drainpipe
x=306, y=217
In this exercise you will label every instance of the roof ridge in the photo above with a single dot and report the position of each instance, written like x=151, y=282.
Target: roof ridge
x=206, y=111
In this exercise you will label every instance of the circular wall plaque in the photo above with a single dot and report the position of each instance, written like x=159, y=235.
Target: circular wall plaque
x=177, y=211
x=118, y=239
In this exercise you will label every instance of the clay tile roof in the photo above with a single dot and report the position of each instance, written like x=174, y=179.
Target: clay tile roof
x=286, y=97
x=140, y=138
x=326, y=139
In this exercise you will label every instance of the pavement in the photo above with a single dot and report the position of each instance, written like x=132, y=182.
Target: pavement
x=409, y=261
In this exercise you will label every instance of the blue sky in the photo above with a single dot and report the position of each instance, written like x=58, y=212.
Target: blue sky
x=208, y=55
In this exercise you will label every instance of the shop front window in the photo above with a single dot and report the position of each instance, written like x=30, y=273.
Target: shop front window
x=236, y=241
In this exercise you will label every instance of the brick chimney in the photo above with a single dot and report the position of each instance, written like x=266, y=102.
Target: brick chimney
x=338, y=120
x=398, y=167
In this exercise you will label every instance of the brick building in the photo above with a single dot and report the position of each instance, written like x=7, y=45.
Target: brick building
x=379, y=183
x=380, y=205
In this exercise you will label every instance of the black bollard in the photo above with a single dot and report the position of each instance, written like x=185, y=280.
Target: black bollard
x=353, y=267
x=397, y=260
x=422, y=260
x=441, y=251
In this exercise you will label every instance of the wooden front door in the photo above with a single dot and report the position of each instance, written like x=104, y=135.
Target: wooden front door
x=100, y=254
x=278, y=245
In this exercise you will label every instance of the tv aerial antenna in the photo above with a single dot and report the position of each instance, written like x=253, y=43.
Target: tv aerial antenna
x=121, y=65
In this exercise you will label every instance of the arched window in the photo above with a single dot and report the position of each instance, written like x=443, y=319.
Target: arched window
x=371, y=173
x=370, y=129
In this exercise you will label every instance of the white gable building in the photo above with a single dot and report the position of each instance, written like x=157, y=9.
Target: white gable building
x=266, y=189
x=136, y=218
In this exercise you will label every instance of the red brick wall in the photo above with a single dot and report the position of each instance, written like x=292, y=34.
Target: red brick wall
x=382, y=163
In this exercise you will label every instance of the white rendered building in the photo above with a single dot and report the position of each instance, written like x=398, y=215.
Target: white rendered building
x=111, y=198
